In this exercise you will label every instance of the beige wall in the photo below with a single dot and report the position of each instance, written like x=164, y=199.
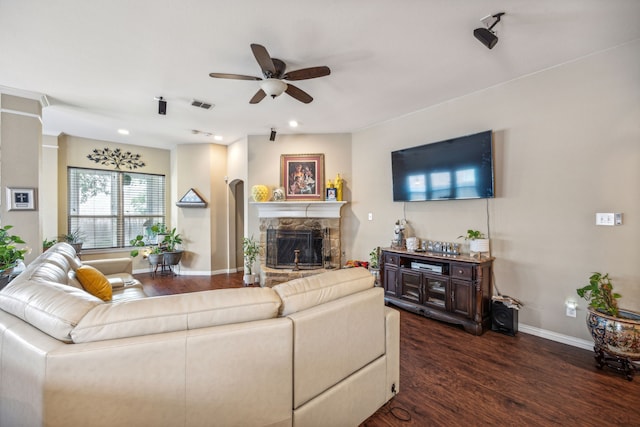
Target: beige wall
x=203, y=168
x=20, y=157
x=264, y=167
x=48, y=193
x=567, y=145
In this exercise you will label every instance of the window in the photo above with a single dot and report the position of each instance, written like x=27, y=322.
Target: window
x=110, y=208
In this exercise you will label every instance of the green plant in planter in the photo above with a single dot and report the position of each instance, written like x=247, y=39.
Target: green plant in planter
x=599, y=293
x=136, y=242
x=9, y=253
x=472, y=235
x=374, y=257
x=251, y=250
x=46, y=243
x=72, y=237
x=171, y=240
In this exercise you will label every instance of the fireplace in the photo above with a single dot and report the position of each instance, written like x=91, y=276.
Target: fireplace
x=313, y=228
x=283, y=244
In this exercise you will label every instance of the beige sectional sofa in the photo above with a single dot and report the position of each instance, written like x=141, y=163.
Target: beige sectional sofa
x=317, y=351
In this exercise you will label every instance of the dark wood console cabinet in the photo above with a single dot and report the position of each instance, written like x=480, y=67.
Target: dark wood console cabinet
x=450, y=288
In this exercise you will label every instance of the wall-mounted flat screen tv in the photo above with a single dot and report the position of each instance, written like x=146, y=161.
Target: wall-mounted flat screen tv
x=458, y=168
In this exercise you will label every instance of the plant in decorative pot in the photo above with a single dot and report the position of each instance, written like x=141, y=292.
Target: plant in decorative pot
x=10, y=255
x=374, y=264
x=251, y=250
x=615, y=331
x=477, y=242
x=46, y=243
x=155, y=256
x=74, y=237
x=172, y=255
x=159, y=231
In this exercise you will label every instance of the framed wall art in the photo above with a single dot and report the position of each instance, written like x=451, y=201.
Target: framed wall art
x=21, y=199
x=302, y=176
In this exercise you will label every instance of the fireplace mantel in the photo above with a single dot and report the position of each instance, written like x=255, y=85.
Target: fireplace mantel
x=298, y=209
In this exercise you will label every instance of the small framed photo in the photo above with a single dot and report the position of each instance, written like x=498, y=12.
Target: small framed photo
x=21, y=199
x=332, y=193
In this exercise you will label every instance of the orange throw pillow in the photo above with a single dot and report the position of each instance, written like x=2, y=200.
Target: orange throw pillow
x=94, y=282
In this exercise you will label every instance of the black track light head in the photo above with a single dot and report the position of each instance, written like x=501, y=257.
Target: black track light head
x=486, y=36
x=272, y=137
x=162, y=106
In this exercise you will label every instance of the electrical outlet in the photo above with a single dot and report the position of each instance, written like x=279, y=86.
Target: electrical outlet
x=571, y=307
x=605, y=219
x=571, y=311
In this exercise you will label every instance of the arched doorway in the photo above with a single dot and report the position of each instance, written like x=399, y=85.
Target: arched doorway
x=236, y=224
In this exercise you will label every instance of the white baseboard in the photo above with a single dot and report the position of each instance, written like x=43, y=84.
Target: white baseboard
x=554, y=336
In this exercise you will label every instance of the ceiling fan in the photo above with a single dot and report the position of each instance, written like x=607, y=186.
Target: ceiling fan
x=273, y=70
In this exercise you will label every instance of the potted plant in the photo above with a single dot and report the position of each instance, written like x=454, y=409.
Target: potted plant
x=136, y=242
x=155, y=256
x=75, y=238
x=477, y=242
x=159, y=230
x=374, y=264
x=615, y=331
x=46, y=243
x=171, y=255
x=251, y=250
x=10, y=255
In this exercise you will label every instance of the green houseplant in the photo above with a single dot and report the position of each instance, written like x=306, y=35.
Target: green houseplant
x=74, y=237
x=615, y=331
x=599, y=294
x=171, y=255
x=9, y=253
x=477, y=241
x=46, y=243
x=251, y=250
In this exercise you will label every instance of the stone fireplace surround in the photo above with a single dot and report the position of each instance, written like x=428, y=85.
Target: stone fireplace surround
x=298, y=216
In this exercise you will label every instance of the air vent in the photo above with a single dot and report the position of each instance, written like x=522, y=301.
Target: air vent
x=202, y=104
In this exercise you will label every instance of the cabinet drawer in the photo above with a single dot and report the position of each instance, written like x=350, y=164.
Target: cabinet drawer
x=462, y=271
x=392, y=259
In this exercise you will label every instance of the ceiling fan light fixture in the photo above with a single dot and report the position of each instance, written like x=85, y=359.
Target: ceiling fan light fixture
x=273, y=87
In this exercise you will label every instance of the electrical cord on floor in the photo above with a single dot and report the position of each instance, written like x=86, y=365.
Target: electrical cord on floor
x=397, y=412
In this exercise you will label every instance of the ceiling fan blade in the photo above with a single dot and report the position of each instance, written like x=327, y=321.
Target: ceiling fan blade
x=233, y=76
x=259, y=96
x=264, y=59
x=307, y=73
x=298, y=94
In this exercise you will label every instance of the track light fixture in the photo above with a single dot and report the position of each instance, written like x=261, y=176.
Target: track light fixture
x=272, y=137
x=485, y=35
x=162, y=105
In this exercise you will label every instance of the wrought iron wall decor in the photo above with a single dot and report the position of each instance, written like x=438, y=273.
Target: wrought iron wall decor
x=117, y=158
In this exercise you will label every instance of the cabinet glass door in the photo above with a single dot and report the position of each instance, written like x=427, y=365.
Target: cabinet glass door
x=436, y=291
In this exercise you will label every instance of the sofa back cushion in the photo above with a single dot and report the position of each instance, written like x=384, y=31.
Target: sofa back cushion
x=306, y=292
x=170, y=313
x=52, y=307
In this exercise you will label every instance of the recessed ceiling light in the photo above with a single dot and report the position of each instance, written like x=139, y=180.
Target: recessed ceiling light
x=123, y=132
x=218, y=137
x=293, y=123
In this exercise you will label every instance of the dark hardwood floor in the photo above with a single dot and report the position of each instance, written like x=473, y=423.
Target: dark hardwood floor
x=449, y=377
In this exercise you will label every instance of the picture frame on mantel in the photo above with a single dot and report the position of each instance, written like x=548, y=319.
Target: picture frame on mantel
x=21, y=199
x=302, y=176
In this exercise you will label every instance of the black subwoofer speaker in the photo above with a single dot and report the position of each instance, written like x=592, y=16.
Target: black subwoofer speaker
x=504, y=319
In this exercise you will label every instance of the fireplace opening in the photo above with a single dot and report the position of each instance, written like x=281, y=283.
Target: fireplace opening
x=282, y=244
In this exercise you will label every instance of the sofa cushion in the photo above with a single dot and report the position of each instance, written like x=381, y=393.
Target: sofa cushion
x=154, y=315
x=53, y=308
x=94, y=282
x=306, y=292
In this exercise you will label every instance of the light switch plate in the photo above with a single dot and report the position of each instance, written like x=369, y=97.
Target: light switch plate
x=605, y=219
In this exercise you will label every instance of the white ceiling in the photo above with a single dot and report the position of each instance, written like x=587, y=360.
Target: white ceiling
x=102, y=63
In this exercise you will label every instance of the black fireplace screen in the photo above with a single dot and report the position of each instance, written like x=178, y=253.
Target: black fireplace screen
x=282, y=244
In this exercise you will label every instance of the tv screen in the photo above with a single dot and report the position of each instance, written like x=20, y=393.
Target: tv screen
x=458, y=168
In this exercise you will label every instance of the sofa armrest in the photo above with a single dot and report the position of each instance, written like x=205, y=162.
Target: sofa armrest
x=112, y=265
x=392, y=326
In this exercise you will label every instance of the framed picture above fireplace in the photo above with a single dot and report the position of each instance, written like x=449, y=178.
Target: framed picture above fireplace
x=302, y=176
